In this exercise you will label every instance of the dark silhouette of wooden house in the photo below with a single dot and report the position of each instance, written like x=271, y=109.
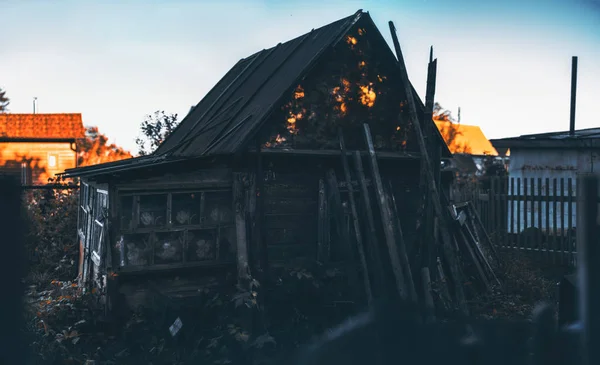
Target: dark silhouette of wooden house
x=242, y=183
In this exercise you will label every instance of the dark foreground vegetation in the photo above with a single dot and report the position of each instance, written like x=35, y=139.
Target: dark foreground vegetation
x=66, y=326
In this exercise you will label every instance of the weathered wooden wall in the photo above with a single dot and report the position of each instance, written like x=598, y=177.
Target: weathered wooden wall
x=36, y=155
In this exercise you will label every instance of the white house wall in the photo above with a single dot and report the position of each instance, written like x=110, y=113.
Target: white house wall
x=552, y=164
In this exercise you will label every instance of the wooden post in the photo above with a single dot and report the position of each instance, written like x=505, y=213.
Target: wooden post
x=412, y=293
x=388, y=225
x=539, y=200
x=562, y=220
x=357, y=231
x=512, y=201
x=240, y=228
x=323, y=251
x=518, y=200
x=446, y=237
x=547, y=255
x=570, y=221
x=555, y=221
x=261, y=243
x=343, y=236
x=435, y=149
x=373, y=252
x=428, y=298
x=588, y=270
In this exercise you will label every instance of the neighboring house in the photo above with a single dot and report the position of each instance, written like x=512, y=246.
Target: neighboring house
x=466, y=142
x=252, y=176
x=554, y=156
x=35, y=147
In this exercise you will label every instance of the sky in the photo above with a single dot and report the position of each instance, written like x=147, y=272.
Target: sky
x=506, y=64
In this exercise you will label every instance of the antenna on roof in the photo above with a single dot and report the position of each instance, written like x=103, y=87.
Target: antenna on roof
x=459, y=114
x=430, y=54
x=34, y=103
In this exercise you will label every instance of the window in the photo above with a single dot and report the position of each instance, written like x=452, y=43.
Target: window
x=52, y=160
x=176, y=228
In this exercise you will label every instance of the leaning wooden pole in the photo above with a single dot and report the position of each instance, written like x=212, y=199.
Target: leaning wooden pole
x=374, y=251
x=447, y=246
x=430, y=226
x=386, y=216
x=357, y=231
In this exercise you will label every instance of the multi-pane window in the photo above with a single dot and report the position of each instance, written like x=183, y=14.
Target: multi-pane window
x=176, y=227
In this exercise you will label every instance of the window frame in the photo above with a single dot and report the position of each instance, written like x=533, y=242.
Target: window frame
x=217, y=229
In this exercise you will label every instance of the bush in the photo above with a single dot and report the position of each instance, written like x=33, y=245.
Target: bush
x=51, y=242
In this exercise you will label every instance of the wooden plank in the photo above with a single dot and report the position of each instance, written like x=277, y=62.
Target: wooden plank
x=388, y=225
x=239, y=202
x=338, y=217
x=555, y=220
x=570, y=247
x=373, y=252
x=323, y=242
x=504, y=205
x=512, y=212
x=518, y=206
x=562, y=221
x=493, y=215
x=427, y=297
x=547, y=256
x=473, y=257
x=357, y=231
x=539, y=209
x=402, y=245
x=532, y=211
x=486, y=235
x=447, y=245
x=525, y=207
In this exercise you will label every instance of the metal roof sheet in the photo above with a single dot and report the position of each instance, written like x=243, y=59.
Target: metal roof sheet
x=230, y=113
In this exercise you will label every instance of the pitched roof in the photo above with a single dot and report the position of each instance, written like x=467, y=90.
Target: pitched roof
x=466, y=139
x=225, y=120
x=231, y=112
x=41, y=126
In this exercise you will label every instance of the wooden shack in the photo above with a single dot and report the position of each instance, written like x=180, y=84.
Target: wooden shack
x=252, y=177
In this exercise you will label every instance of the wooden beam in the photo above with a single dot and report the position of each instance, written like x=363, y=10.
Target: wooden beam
x=357, y=231
x=447, y=246
x=388, y=225
x=323, y=244
x=412, y=293
x=373, y=252
x=239, y=202
x=338, y=214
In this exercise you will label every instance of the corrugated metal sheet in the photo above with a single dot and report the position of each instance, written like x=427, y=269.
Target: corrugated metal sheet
x=228, y=116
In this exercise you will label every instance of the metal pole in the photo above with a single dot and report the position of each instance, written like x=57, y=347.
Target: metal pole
x=573, y=94
x=588, y=267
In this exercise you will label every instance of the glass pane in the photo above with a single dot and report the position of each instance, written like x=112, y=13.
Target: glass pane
x=186, y=208
x=227, y=243
x=200, y=245
x=168, y=247
x=138, y=249
x=217, y=207
x=126, y=208
x=96, y=237
x=153, y=210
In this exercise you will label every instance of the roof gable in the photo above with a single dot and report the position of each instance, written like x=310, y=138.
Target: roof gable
x=230, y=113
x=41, y=126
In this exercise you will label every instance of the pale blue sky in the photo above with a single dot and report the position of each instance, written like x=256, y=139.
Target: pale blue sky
x=507, y=64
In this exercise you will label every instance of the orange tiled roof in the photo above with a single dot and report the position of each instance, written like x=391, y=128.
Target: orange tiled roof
x=467, y=139
x=41, y=125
